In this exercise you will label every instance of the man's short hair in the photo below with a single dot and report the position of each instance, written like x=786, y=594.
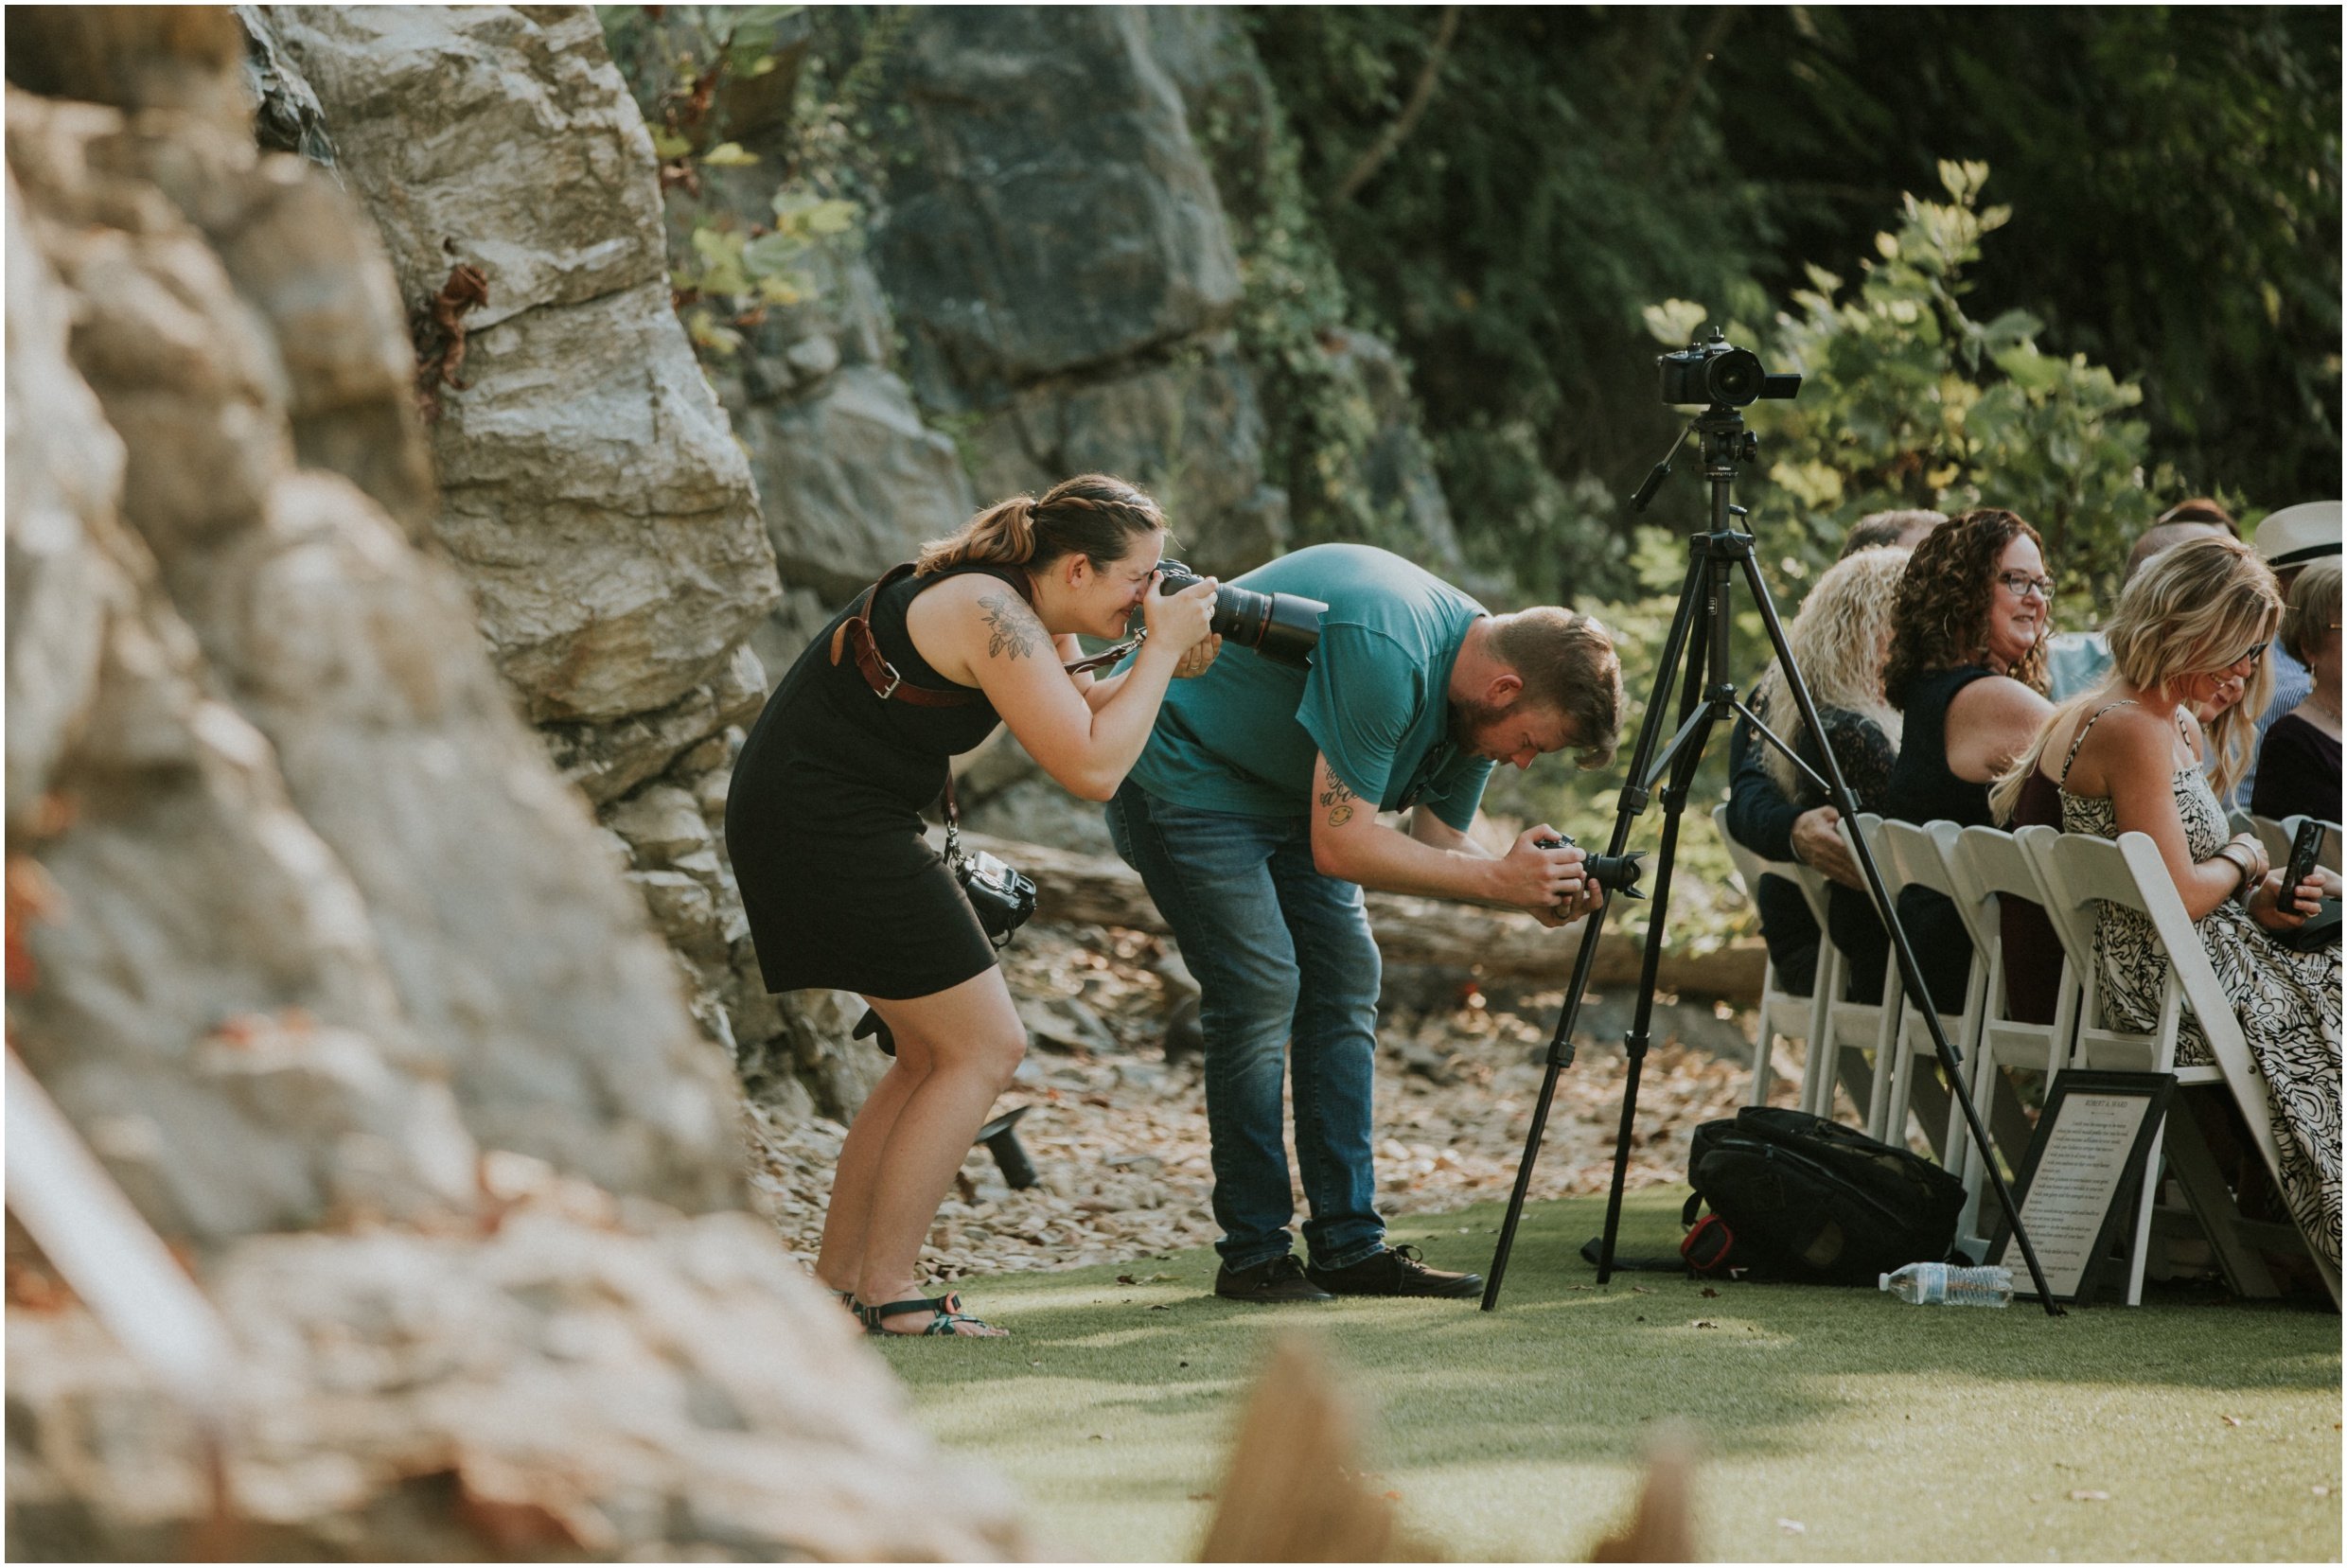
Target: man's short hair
x=2206, y=509
x=1877, y=529
x=1567, y=662
x=2310, y=608
x=2164, y=536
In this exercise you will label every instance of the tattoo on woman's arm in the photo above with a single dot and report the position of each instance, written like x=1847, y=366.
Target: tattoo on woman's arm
x=1015, y=629
x=1338, y=797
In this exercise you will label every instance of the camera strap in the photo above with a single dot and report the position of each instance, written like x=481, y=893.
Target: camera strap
x=855, y=636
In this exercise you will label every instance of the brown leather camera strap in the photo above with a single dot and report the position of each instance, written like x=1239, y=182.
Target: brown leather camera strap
x=855, y=636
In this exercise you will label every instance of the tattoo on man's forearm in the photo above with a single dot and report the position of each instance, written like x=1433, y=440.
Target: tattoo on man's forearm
x=1338, y=797
x=1015, y=629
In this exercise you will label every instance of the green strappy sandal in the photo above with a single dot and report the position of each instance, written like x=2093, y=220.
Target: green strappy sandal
x=946, y=1306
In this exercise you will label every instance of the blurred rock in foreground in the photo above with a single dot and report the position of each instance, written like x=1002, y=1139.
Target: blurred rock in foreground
x=337, y=977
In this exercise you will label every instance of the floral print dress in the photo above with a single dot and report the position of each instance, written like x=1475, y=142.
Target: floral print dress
x=2287, y=1002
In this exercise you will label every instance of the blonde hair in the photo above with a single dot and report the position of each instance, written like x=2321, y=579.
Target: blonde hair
x=1091, y=515
x=1839, y=639
x=2194, y=609
x=2312, y=605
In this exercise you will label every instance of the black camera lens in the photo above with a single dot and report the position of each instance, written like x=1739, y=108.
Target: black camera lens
x=1285, y=626
x=1736, y=377
x=1615, y=873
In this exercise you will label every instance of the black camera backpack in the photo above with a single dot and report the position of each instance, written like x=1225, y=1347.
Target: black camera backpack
x=1797, y=1198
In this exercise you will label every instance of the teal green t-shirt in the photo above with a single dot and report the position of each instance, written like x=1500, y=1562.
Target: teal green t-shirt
x=1243, y=738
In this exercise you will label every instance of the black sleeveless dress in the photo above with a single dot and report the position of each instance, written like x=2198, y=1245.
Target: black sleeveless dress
x=1921, y=789
x=823, y=821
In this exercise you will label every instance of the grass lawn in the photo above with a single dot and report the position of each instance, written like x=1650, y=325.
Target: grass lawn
x=1835, y=1424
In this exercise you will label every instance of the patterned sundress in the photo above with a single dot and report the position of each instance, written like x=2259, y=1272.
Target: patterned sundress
x=2287, y=1002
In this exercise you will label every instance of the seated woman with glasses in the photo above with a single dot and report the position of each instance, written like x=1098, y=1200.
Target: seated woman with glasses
x=1966, y=667
x=2298, y=764
x=2131, y=757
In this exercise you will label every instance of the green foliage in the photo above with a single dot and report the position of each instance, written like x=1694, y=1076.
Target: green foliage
x=1561, y=169
x=2174, y=178
x=757, y=145
x=1293, y=303
x=1909, y=401
x=1906, y=401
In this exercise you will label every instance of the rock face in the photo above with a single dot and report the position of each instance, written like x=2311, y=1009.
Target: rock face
x=582, y=1382
x=595, y=499
x=336, y=976
x=1058, y=260
x=590, y=488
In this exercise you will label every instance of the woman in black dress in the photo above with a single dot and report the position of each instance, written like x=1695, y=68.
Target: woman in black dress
x=842, y=891
x=1967, y=671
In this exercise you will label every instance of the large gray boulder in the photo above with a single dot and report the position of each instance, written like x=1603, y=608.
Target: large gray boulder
x=851, y=480
x=1189, y=430
x=209, y=1004
x=1058, y=215
x=429, y=909
x=592, y=492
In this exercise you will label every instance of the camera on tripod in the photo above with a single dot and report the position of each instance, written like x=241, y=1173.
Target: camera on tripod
x=1717, y=372
x=1285, y=626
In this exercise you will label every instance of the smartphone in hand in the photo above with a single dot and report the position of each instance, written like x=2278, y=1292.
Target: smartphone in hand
x=2321, y=928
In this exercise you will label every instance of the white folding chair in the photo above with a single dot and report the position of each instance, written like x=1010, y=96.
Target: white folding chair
x=2081, y=874
x=1869, y=1030
x=1799, y=1019
x=1990, y=867
x=1922, y=853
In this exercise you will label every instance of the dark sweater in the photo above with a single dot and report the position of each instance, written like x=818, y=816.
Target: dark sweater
x=2298, y=772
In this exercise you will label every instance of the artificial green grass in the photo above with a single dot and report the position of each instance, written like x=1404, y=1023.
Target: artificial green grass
x=1835, y=1424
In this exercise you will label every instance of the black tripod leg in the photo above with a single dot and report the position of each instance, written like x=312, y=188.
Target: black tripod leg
x=1907, y=968
x=1635, y=1043
x=1633, y=802
x=1706, y=662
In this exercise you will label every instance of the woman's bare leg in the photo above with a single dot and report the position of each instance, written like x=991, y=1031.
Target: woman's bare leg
x=849, y=1212
x=965, y=1041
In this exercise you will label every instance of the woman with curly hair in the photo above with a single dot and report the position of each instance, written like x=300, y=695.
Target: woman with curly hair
x=2131, y=757
x=1968, y=670
x=1839, y=640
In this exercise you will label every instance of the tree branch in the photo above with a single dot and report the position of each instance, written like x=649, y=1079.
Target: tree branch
x=1393, y=136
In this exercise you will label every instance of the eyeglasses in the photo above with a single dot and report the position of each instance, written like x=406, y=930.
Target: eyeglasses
x=2252, y=657
x=2021, y=585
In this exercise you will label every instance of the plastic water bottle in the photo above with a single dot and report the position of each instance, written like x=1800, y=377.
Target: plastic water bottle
x=1946, y=1285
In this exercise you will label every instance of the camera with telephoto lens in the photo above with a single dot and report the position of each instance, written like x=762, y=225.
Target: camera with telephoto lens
x=1285, y=626
x=1615, y=873
x=1716, y=372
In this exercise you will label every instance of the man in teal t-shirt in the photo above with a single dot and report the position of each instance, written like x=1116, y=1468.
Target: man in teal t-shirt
x=1252, y=817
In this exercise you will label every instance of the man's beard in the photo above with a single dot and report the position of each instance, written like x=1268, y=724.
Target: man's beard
x=1472, y=721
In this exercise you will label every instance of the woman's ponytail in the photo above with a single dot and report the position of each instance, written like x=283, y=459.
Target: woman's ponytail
x=1091, y=515
x=1002, y=534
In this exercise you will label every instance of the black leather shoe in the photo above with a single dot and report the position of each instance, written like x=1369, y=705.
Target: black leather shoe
x=1396, y=1271
x=1281, y=1279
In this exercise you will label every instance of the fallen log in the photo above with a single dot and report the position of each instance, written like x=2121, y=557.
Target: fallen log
x=1094, y=889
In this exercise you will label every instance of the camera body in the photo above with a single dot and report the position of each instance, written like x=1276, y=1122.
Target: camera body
x=1615, y=873
x=1002, y=896
x=1717, y=372
x=1285, y=626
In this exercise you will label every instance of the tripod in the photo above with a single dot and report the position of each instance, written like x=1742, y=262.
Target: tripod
x=1698, y=634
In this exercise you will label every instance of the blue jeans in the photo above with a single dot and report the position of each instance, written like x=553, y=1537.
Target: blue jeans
x=1285, y=965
